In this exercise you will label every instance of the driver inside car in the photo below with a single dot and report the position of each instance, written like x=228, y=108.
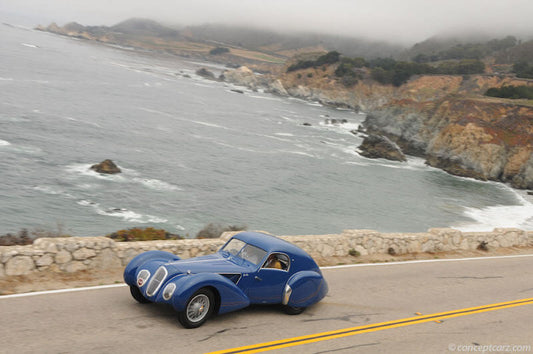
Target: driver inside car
x=273, y=262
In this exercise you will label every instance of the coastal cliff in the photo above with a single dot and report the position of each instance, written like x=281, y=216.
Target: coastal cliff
x=443, y=118
x=469, y=137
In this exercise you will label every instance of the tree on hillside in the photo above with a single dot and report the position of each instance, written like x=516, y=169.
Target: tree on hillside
x=523, y=69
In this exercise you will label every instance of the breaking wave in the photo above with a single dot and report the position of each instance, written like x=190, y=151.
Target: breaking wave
x=504, y=216
x=125, y=214
x=128, y=176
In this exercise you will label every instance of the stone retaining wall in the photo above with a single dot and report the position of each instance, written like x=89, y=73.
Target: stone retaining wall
x=85, y=253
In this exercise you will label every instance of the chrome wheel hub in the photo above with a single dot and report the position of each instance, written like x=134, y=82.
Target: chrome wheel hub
x=198, y=308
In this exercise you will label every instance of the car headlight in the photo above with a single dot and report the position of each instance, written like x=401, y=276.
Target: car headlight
x=142, y=277
x=168, y=291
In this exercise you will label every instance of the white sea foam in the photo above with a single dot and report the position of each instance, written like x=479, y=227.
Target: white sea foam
x=506, y=216
x=29, y=45
x=173, y=116
x=127, y=215
x=269, y=98
x=131, y=216
x=22, y=149
x=82, y=121
x=341, y=127
x=51, y=190
x=295, y=152
x=207, y=124
x=6, y=78
x=84, y=202
x=284, y=134
x=202, y=85
x=289, y=119
x=127, y=176
x=4, y=143
x=157, y=184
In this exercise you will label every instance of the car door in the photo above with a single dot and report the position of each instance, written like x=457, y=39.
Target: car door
x=267, y=284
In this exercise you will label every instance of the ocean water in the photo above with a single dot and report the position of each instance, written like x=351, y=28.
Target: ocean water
x=193, y=152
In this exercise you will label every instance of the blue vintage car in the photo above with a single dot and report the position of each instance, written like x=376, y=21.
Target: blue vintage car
x=251, y=268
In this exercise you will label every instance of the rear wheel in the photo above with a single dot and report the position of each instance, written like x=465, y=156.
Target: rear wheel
x=198, y=309
x=137, y=295
x=293, y=310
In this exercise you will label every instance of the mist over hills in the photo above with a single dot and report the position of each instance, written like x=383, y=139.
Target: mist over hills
x=503, y=49
x=268, y=40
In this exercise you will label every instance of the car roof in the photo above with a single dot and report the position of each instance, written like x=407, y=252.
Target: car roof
x=270, y=243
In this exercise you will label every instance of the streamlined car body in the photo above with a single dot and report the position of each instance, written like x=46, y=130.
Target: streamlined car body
x=251, y=268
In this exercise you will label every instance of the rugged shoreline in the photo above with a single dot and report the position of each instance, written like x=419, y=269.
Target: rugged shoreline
x=442, y=118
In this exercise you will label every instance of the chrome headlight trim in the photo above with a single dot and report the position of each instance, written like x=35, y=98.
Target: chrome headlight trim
x=286, y=294
x=142, y=277
x=168, y=291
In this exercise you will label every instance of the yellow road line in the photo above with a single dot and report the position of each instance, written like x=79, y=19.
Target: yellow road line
x=317, y=337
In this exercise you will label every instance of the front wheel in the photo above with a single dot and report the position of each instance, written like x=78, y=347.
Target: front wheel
x=137, y=295
x=293, y=310
x=198, y=309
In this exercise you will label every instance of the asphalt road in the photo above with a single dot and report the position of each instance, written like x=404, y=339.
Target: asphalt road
x=110, y=321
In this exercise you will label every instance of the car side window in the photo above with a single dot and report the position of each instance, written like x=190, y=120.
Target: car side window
x=277, y=261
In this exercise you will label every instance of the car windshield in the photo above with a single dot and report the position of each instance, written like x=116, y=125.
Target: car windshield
x=245, y=251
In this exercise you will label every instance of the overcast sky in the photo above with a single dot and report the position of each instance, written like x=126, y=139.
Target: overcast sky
x=407, y=21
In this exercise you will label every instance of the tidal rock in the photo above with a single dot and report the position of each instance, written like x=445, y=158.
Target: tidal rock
x=377, y=146
x=107, y=167
x=242, y=76
x=203, y=72
x=277, y=88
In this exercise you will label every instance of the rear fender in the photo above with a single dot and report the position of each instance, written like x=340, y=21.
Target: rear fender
x=130, y=273
x=231, y=297
x=306, y=288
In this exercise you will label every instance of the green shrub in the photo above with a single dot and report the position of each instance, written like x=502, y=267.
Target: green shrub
x=513, y=92
x=523, y=69
x=143, y=234
x=219, y=50
x=328, y=58
x=25, y=237
x=354, y=253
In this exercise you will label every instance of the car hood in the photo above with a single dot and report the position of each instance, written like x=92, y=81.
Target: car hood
x=213, y=263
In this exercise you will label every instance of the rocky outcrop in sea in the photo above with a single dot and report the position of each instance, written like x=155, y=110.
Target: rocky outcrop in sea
x=106, y=167
x=378, y=146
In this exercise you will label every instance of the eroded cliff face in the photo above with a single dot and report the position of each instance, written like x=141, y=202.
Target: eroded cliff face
x=443, y=118
x=472, y=137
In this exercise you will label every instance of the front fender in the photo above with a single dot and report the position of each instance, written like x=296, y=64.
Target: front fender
x=130, y=271
x=306, y=288
x=231, y=297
